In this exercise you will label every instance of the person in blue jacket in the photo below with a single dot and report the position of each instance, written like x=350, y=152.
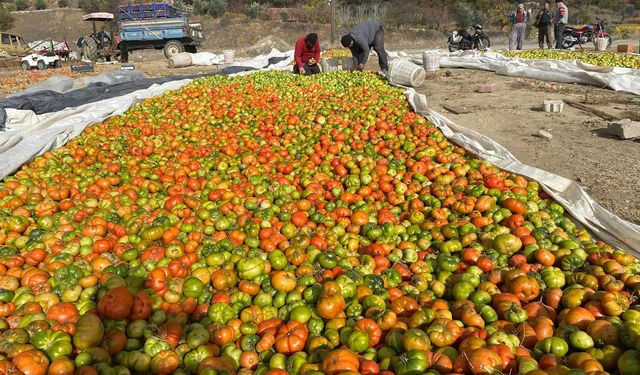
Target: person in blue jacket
x=361, y=39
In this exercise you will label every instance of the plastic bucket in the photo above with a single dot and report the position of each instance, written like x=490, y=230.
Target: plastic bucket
x=330, y=65
x=348, y=64
x=431, y=61
x=229, y=56
x=406, y=73
x=180, y=60
x=601, y=44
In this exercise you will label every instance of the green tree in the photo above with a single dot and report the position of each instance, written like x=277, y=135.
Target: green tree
x=63, y=3
x=253, y=10
x=6, y=20
x=21, y=4
x=41, y=4
x=215, y=8
x=467, y=14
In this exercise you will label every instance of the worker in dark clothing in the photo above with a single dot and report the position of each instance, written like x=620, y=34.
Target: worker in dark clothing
x=307, y=55
x=361, y=39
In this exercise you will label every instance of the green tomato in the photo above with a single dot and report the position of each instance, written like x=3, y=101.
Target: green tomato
x=358, y=341
x=413, y=362
x=192, y=287
x=581, y=340
x=552, y=345
x=300, y=314
x=54, y=344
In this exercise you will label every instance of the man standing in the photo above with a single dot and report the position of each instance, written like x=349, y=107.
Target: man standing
x=361, y=39
x=307, y=55
x=559, y=21
x=518, y=19
x=545, y=27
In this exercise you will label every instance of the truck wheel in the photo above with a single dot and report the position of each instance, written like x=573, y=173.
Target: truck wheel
x=57, y=64
x=41, y=65
x=90, y=49
x=172, y=48
x=25, y=65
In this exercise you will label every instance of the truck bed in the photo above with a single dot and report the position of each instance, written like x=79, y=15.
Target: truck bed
x=158, y=29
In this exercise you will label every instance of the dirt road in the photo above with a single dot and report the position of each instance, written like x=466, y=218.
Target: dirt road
x=608, y=168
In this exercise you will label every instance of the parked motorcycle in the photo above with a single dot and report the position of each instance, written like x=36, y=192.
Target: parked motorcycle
x=589, y=33
x=461, y=40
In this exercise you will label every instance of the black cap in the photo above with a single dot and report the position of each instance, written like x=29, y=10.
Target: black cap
x=312, y=39
x=346, y=40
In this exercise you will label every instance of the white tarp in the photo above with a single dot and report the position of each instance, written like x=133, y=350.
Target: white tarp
x=565, y=71
x=604, y=224
x=55, y=129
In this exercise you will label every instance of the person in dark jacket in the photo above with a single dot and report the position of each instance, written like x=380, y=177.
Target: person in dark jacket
x=361, y=39
x=307, y=55
x=544, y=23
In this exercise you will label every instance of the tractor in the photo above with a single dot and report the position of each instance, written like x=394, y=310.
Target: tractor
x=100, y=45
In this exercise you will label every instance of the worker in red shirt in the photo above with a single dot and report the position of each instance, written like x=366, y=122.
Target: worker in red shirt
x=307, y=55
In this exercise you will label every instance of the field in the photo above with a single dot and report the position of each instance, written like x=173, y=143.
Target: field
x=278, y=224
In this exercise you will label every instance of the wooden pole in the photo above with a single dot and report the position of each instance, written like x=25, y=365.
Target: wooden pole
x=333, y=21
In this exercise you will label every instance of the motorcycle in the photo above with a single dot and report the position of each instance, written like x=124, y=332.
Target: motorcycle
x=461, y=40
x=578, y=36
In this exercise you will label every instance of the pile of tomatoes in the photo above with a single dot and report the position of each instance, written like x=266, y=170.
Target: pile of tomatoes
x=276, y=224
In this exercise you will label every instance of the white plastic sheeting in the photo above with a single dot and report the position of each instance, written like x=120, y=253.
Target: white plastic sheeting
x=208, y=58
x=565, y=71
x=62, y=84
x=568, y=193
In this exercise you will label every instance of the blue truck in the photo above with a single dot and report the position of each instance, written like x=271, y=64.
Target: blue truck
x=141, y=26
x=158, y=26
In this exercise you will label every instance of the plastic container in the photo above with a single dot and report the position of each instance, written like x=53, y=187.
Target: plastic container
x=601, y=44
x=180, y=60
x=431, y=61
x=348, y=64
x=229, y=56
x=330, y=65
x=406, y=73
x=553, y=106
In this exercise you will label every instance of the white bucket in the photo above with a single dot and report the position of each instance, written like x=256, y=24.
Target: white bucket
x=406, y=73
x=229, y=56
x=431, y=61
x=601, y=44
x=330, y=65
x=180, y=60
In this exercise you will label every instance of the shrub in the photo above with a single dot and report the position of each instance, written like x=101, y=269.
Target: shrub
x=6, y=20
x=215, y=8
x=63, y=3
x=284, y=16
x=21, y=4
x=253, y=10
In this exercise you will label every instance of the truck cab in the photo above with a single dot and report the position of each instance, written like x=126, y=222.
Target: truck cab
x=13, y=45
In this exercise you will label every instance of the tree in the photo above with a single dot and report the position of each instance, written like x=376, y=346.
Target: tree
x=21, y=4
x=63, y=3
x=466, y=14
x=253, y=10
x=215, y=8
x=627, y=11
x=6, y=20
x=41, y=4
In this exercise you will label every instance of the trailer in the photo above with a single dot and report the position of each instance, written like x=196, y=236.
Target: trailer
x=157, y=26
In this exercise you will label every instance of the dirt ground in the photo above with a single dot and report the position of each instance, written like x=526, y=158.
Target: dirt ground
x=608, y=168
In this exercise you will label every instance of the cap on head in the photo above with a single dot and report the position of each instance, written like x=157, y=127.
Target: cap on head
x=311, y=39
x=346, y=40
x=521, y=6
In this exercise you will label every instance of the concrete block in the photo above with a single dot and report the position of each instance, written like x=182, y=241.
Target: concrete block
x=545, y=135
x=626, y=48
x=553, y=106
x=625, y=129
x=487, y=88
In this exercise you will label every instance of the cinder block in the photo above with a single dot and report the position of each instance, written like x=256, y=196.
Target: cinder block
x=487, y=88
x=626, y=48
x=625, y=129
x=554, y=106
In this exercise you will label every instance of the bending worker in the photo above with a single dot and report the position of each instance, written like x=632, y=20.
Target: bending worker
x=361, y=39
x=307, y=55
